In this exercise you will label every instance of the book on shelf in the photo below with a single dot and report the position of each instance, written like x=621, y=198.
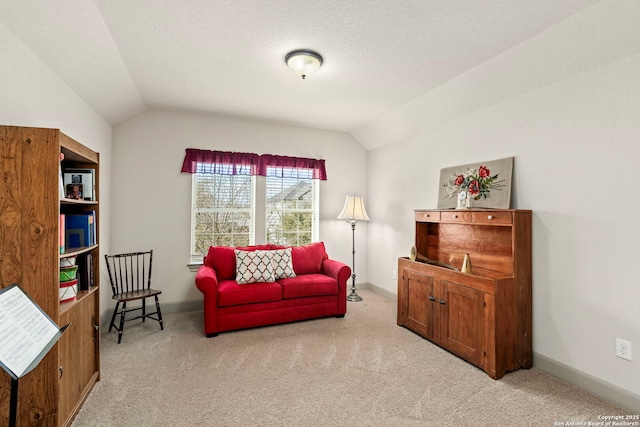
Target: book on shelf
x=80, y=230
x=84, y=176
x=85, y=272
x=62, y=233
x=90, y=271
x=92, y=227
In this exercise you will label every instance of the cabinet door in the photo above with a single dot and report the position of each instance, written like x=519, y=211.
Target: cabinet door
x=418, y=303
x=462, y=321
x=77, y=356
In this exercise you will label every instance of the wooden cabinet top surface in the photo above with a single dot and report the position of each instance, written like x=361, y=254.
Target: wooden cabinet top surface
x=473, y=216
x=471, y=210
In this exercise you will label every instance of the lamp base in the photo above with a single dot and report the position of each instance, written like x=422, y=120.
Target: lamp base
x=353, y=296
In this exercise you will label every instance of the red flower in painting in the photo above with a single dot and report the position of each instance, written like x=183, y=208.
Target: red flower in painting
x=474, y=187
x=478, y=183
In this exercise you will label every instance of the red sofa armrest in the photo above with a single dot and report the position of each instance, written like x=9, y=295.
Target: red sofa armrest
x=207, y=283
x=341, y=273
x=206, y=279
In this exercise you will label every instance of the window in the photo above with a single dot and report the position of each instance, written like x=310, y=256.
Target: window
x=292, y=207
x=222, y=211
x=226, y=212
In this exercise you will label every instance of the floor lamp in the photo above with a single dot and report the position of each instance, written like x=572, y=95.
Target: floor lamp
x=353, y=211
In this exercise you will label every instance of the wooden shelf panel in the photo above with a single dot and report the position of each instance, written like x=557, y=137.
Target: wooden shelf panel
x=78, y=202
x=66, y=306
x=77, y=251
x=74, y=151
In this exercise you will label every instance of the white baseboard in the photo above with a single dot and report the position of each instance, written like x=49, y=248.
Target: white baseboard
x=172, y=307
x=606, y=390
x=378, y=290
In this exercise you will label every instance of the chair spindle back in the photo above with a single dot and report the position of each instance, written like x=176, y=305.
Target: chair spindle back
x=129, y=272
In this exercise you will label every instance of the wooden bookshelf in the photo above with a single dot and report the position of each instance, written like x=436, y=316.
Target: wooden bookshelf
x=30, y=208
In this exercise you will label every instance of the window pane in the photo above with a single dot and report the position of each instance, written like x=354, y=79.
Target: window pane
x=304, y=238
x=292, y=209
x=222, y=211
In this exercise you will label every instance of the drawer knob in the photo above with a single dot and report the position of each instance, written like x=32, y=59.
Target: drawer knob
x=489, y=216
x=454, y=216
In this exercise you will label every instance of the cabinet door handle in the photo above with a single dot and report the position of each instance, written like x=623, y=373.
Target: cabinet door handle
x=432, y=298
x=442, y=302
x=61, y=369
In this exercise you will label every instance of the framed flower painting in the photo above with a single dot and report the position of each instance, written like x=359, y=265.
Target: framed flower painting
x=478, y=185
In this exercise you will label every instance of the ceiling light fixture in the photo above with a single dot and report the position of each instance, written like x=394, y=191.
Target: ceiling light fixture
x=303, y=62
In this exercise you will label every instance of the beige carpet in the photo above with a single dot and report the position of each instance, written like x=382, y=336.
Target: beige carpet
x=362, y=370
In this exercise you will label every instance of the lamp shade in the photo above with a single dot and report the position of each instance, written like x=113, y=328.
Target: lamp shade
x=354, y=210
x=303, y=62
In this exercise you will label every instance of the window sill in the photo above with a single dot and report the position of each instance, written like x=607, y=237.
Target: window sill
x=194, y=266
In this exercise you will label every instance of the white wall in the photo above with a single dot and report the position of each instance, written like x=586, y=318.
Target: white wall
x=576, y=142
x=32, y=95
x=564, y=103
x=151, y=206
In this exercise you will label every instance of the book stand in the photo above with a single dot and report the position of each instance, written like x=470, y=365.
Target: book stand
x=26, y=336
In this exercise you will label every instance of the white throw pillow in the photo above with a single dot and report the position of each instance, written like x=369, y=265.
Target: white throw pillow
x=282, y=263
x=253, y=266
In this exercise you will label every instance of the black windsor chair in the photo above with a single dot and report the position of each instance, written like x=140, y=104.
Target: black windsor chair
x=130, y=277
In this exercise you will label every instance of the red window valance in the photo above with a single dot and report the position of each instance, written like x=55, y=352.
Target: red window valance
x=230, y=163
x=220, y=162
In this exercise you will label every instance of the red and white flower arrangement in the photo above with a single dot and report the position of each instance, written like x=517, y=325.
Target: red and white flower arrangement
x=478, y=183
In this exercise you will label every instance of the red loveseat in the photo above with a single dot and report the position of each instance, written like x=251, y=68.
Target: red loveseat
x=319, y=288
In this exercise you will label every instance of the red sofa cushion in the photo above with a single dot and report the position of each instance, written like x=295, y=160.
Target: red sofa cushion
x=308, y=258
x=223, y=260
x=308, y=285
x=230, y=293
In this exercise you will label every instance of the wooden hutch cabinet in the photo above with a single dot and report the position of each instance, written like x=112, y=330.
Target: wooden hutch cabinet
x=484, y=317
x=30, y=208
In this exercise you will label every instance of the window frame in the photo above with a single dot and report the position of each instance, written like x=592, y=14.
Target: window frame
x=198, y=258
x=213, y=162
x=314, y=209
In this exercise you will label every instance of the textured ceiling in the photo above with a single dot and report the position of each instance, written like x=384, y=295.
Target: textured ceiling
x=227, y=56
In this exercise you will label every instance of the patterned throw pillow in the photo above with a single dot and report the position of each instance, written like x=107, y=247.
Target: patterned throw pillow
x=253, y=266
x=282, y=263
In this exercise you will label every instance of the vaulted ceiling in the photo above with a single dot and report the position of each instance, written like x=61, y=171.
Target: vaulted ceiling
x=226, y=57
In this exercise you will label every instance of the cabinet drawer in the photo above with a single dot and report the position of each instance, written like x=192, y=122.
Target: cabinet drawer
x=456, y=216
x=491, y=217
x=427, y=216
